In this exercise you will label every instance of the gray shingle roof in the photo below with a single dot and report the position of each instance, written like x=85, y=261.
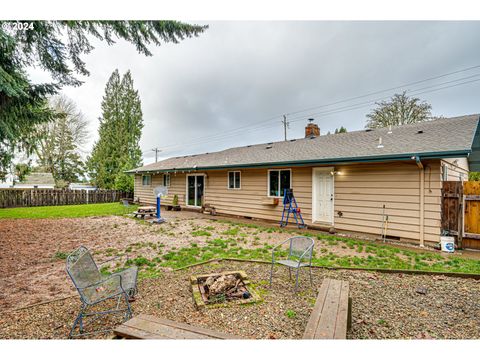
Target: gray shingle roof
x=432, y=138
x=39, y=178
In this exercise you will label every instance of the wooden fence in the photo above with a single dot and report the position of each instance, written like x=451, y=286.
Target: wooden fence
x=461, y=212
x=51, y=197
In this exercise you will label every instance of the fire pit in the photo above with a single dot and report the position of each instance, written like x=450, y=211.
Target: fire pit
x=223, y=289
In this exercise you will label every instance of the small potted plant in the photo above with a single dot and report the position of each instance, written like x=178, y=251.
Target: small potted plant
x=175, y=206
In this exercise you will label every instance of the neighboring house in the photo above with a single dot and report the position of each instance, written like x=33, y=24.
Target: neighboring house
x=339, y=180
x=37, y=180
x=82, y=186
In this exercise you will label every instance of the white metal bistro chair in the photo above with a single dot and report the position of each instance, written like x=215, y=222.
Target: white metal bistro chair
x=95, y=288
x=299, y=255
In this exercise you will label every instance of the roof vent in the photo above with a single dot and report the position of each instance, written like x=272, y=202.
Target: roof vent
x=420, y=132
x=249, y=145
x=389, y=129
x=293, y=140
x=368, y=130
x=269, y=147
x=380, y=143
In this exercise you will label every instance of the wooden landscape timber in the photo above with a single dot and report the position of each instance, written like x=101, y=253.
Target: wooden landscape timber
x=151, y=327
x=331, y=316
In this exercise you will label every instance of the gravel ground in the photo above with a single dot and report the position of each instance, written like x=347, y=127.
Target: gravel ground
x=385, y=306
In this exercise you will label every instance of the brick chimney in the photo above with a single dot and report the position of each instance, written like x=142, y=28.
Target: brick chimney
x=312, y=130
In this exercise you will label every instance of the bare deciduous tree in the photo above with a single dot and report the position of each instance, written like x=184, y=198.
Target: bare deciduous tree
x=60, y=142
x=399, y=110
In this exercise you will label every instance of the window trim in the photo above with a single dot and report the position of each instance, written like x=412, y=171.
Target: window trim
x=165, y=183
x=240, y=180
x=150, y=181
x=268, y=182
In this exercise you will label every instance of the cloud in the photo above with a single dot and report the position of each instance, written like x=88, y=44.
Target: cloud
x=241, y=74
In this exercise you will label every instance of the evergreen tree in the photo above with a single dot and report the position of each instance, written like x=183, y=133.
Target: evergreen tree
x=341, y=130
x=117, y=149
x=57, y=47
x=399, y=110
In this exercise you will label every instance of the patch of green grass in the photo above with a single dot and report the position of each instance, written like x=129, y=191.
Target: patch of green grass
x=60, y=255
x=290, y=314
x=200, y=233
x=312, y=300
x=66, y=211
x=105, y=270
x=231, y=232
x=149, y=273
x=140, y=261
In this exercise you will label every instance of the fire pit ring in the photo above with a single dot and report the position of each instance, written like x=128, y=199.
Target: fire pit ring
x=223, y=289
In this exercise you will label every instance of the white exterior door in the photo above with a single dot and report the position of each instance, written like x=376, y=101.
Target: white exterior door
x=322, y=195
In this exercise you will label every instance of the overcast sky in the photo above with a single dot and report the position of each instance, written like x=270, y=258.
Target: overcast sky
x=230, y=86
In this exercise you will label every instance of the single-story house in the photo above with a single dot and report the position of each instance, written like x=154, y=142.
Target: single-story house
x=37, y=180
x=341, y=181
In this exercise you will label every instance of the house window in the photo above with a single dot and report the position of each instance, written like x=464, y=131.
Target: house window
x=146, y=180
x=234, y=179
x=166, y=180
x=278, y=181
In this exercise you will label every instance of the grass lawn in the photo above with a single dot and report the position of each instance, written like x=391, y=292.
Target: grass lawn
x=236, y=242
x=65, y=211
x=377, y=256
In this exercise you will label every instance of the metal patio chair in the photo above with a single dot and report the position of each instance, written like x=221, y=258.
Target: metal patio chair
x=299, y=255
x=94, y=288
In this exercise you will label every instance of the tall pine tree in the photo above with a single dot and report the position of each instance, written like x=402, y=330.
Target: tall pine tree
x=120, y=130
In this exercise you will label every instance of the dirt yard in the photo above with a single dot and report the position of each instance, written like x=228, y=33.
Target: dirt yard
x=32, y=260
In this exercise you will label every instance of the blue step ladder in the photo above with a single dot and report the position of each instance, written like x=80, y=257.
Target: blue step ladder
x=290, y=206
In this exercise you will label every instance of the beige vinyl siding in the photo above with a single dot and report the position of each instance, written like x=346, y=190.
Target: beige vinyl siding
x=145, y=193
x=247, y=201
x=360, y=192
x=456, y=168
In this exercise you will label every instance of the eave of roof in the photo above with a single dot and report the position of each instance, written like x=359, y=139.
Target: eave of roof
x=334, y=161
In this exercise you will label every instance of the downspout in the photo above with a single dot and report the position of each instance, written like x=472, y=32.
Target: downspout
x=422, y=199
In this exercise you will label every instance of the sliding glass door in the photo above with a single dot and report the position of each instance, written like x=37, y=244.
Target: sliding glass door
x=195, y=190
